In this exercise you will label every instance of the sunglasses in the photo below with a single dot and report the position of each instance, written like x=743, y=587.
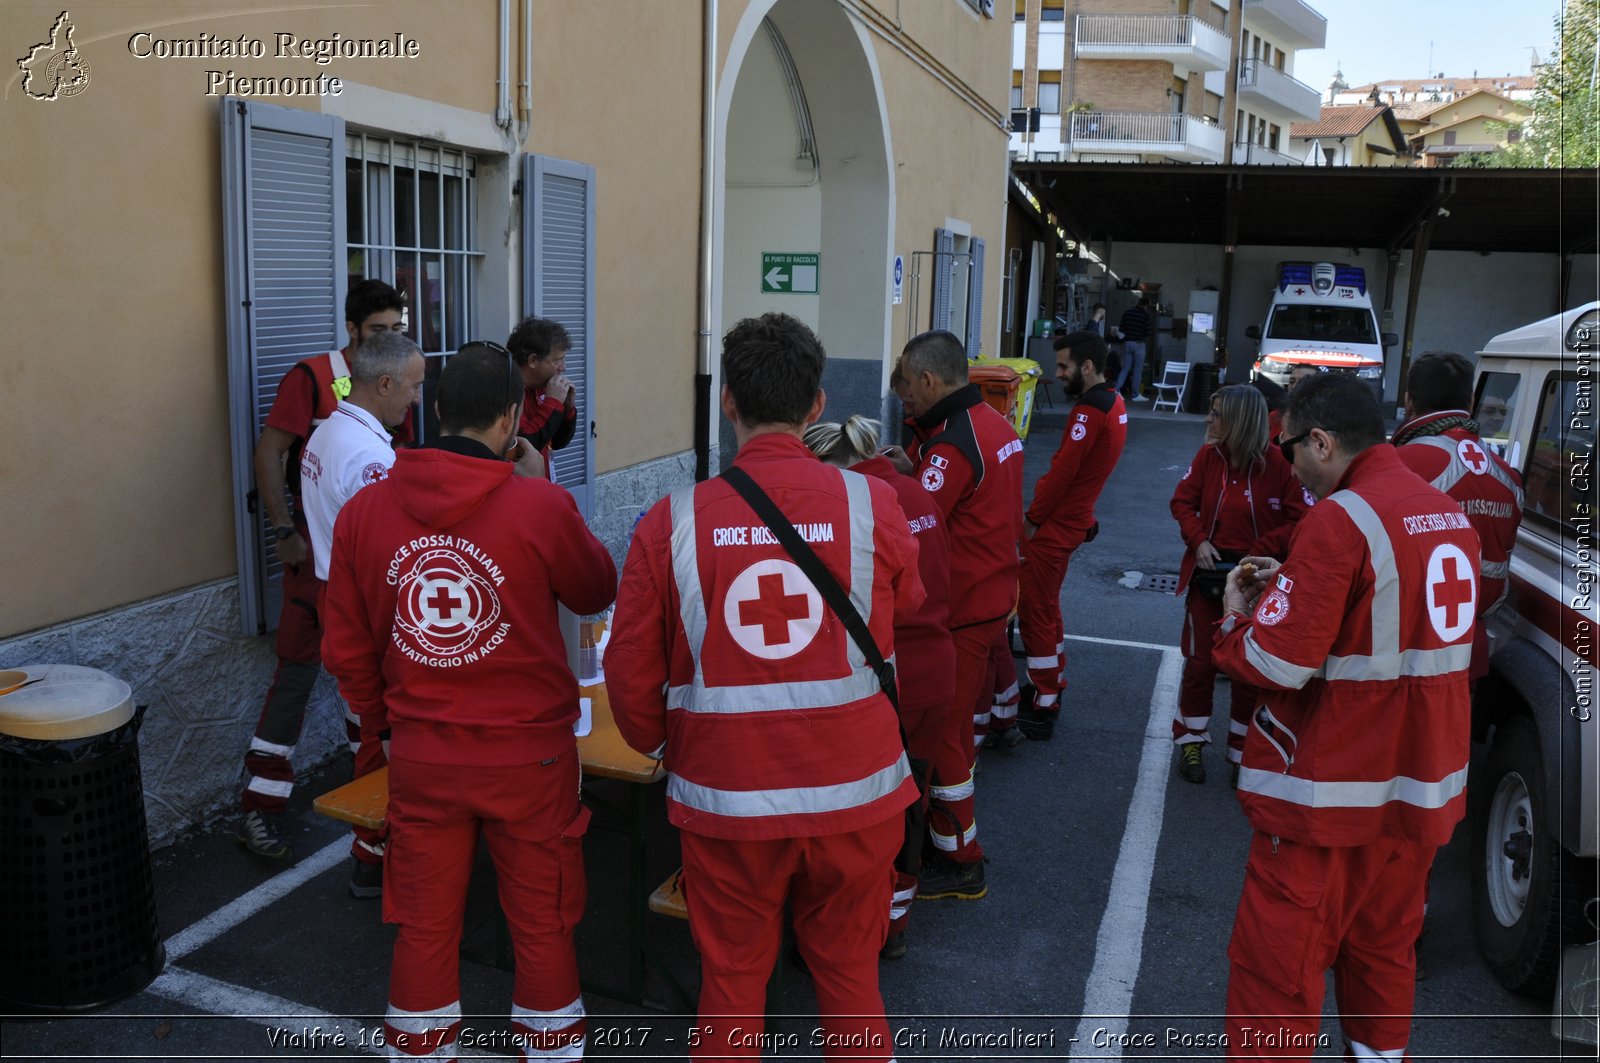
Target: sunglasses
x=511, y=364
x=1287, y=446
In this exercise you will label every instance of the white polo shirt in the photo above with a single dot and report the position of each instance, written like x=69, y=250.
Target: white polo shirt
x=347, y=452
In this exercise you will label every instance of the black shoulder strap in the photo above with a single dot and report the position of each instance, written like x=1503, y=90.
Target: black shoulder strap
x=802, y=554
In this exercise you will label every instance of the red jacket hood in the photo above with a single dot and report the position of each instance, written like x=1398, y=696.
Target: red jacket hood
x=441, y=489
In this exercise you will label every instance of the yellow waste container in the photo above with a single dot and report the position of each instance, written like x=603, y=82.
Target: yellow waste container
x=1008, y=384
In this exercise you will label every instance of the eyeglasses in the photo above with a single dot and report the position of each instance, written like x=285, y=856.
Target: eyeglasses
x=1288, y=445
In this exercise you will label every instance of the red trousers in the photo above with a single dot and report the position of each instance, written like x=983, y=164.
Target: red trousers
x=534, y=825
x=1192, y=721
x=267, y=765
x=838, y=888
x=996, y=708
x=952, y=801
x=1357, y=909
x=1044, y=570
x=927, y=728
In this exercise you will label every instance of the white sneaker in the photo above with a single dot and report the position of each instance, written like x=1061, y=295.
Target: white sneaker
x=1140, y=398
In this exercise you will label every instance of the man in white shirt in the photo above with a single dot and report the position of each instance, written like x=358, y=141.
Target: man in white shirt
x=348, y=451
x=353, y=448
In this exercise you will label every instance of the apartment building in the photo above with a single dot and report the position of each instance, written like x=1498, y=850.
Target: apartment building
x=1194, y=81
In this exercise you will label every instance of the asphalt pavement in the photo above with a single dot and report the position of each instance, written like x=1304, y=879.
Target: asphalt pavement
x=1112, y=886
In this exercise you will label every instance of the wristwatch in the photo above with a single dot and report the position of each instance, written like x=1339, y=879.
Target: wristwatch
x=284, y=531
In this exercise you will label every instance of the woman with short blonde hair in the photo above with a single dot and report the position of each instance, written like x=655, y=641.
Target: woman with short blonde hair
x=924, y=655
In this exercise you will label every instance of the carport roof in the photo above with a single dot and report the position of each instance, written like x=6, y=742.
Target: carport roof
x=1552, y=211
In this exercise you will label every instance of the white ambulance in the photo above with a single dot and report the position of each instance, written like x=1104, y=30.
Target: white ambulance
x=1320, y=316
x=1535, y=793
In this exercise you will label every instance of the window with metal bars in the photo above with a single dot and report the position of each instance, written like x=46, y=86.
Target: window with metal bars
x=410, y=220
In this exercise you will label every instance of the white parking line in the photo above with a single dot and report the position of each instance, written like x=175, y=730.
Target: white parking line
x=1124, y=642
x=1108, y=995
x=197, y=935
x=275, y=1013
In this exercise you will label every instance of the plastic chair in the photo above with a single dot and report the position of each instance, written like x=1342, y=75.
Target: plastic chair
x=1171, y=387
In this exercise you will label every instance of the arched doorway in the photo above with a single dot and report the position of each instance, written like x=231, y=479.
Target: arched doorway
x=804, y=162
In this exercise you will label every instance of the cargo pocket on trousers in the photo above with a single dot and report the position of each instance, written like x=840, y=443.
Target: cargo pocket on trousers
x=1279, y=925
x=574, y=885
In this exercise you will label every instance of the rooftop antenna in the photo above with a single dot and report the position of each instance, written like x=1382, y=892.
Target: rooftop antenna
x=1430, y=55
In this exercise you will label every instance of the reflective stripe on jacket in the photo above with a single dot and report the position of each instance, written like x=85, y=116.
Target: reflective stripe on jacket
x=1488, y=490
x=725, y=661
x=1361, y=644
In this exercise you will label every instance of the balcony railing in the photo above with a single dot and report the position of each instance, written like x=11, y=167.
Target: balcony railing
x=1296, y=23
x=1176, y=136
x=1248, y=154
x=1169, y=38
x=1271, y=89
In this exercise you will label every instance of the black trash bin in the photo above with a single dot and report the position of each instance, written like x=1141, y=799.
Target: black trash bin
x=77, y=902
x=1203, y=382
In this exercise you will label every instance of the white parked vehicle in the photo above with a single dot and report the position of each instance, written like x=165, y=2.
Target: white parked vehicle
x=1321, y=316
x=1535, y=796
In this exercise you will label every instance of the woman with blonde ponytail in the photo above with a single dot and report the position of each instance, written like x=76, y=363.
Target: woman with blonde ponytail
x=924, y=656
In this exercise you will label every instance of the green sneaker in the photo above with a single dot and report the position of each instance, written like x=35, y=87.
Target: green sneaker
x=1190, y=767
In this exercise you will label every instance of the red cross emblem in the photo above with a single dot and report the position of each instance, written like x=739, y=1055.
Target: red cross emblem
x=1452, y=592
x=1472, y=456
x=444, y=605
x=772, y=610
x=443, y=602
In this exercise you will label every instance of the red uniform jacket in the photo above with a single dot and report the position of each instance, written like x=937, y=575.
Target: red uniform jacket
x=1274, y=499
x=306, y=397
x=546, y=423
x=1362, y=645
x=440, y=613
x=971, y=464
x=924, y=656
x=725, y=661
x=1488, y=490
x=1064, y=497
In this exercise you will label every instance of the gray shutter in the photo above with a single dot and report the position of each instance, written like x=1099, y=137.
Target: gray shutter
x=975, y=300
x=944, y=263
x=558, y=283
x=285, y=275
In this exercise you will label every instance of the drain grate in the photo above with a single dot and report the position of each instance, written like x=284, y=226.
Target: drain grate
x=1164, y=582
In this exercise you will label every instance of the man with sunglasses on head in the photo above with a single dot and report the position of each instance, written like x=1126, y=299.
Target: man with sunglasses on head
x=1355, y=768
x=306, y=397
x=441, y=628
x=549, y=404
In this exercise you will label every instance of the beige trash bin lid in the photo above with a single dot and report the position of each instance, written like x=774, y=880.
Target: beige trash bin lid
x=68, y=702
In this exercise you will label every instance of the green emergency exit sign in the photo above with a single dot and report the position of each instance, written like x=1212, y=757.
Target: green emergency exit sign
x=794, y=273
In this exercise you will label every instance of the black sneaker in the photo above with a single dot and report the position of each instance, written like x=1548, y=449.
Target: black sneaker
x=1035, y=724
x=259, y=832
x=895, y=947
x=366, y=881
x=946, y=878
x=1005, y=738
x=1190, y=767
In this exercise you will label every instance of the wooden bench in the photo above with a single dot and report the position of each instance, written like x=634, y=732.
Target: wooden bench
x=668, y=897
x=363, y=801
x=602, y=753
